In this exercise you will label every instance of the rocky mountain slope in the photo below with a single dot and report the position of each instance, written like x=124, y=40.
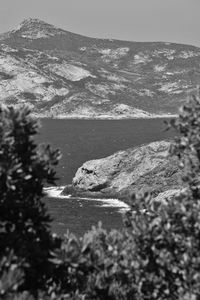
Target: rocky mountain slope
x=62, y=74
x=145, y=168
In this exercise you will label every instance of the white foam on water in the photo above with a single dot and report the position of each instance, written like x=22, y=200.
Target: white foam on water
x=113, y=203
x=55, y=192
x=107, y=202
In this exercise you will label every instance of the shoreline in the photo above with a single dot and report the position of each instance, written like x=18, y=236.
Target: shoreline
x=57, y=192
x=105, y=118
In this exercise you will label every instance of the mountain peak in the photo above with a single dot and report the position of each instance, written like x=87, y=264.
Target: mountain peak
x=33, y=28
x=32, y=21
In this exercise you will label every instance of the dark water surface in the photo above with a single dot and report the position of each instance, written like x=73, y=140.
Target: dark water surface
x=79, y=215
x=82, y=140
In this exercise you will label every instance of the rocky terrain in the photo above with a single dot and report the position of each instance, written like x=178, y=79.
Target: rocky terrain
x=145, y=168
x=65, y=75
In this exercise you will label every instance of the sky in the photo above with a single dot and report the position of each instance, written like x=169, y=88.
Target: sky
x=134, y=20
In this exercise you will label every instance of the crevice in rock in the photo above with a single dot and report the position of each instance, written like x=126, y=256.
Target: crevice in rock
x=99, y=187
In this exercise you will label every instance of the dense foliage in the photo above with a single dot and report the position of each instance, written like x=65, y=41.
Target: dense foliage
x=155, y=256
x=24, y=222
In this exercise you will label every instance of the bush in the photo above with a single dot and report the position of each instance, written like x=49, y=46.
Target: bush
x=99, y=266
x=24, y=222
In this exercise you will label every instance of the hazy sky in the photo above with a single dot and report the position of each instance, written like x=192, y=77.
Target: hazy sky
x=135, y=20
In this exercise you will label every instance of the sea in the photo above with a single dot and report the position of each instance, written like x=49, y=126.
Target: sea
x=83, y=140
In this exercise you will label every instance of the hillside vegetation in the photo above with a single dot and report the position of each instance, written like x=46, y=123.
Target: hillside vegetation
x=65, y=75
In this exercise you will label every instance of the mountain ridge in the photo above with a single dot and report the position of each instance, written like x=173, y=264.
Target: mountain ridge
x=34, y=20
x=65, y=75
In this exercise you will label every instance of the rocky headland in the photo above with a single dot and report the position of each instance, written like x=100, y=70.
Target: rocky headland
x=145, y=168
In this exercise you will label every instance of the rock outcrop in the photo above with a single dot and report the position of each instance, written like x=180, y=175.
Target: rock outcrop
x=148, y=167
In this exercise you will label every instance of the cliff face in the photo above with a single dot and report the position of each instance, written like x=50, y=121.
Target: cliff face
x=147, y=167
x=65, y=75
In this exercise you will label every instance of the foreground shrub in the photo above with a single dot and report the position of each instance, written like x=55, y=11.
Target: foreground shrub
x=99, y=266
x=24, y=222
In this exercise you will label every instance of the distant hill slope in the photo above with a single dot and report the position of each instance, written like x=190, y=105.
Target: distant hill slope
x=62, y=74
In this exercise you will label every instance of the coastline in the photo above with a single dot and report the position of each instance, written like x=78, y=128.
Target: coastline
x=59, y=192
x=104, y=118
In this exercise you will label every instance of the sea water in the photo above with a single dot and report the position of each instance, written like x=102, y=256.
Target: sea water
x=83, y=140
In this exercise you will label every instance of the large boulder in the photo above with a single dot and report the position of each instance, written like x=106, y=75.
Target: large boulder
x=148, y=167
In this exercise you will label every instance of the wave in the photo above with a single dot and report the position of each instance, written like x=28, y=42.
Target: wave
x=56, y=192
x=113, y=203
